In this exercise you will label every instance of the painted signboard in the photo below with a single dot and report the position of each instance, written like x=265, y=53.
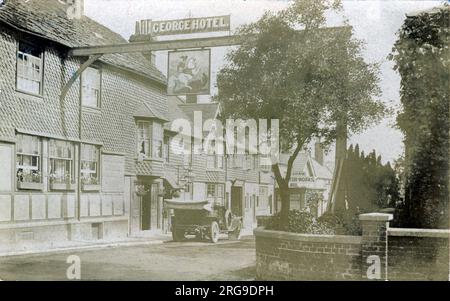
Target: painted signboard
x=183, y=26
x=189, y=72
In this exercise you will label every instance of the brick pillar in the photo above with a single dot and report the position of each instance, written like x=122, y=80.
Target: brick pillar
x=375, y=245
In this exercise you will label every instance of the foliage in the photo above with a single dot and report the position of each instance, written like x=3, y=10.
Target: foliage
x=306, y=79
x=368, y=184
x=299, y=222
x=422, y=57
x=343, y=222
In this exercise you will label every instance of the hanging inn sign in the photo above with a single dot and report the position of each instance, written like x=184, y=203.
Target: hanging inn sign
x=182, y=26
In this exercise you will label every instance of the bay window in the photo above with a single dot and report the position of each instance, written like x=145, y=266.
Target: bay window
x=28, y=159
x=61, y=162
x=150, y=139
x=157, y=135
x=90, y=157
x=29, y=69
x=143, y=139
x=166, y=149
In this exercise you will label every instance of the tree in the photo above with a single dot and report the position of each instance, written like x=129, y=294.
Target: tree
x=369, y=184
x=422, y=58
x=307, y=76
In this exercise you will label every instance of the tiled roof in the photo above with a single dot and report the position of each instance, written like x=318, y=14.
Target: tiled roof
x=145, y=111
x=48, y=19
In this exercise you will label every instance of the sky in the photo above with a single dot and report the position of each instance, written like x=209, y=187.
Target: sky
x=375, y=22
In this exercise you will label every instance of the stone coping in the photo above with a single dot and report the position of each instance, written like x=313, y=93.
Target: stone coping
x=338, y=239
x=407, y=232
x=376, y=217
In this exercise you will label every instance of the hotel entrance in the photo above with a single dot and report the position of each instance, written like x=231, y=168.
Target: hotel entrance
x=150, y=205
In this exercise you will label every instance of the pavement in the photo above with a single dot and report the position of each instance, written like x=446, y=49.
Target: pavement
x=160, y=259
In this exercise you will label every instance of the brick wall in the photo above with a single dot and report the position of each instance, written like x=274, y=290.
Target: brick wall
x=286, y=256
x=381, y=253
x=417, y=254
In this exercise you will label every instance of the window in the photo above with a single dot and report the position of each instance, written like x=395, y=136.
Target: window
x=248, y=162
x=215, y=193
x=28, y=165
x=90, y=87
x=144, y=139
x=61, y=162
x=214, y=162
x=150, y=139
x=157, y=135
x=237, y=161
x=265, y=163
x=90, y=157
x=29, y=69
x=263, y=197
x=166, y=149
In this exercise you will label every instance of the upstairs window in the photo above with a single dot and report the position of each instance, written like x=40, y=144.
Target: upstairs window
x=29, y=69
x=90, y=87
x=28, y=156
x=157, y=136
x=90, y=157
x=143, y=139
x=150, y=140
x=61, y=162
x=213, y=160
x=166, y=149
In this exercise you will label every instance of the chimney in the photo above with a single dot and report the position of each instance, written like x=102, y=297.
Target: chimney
x=318, y=153
x=75, y=9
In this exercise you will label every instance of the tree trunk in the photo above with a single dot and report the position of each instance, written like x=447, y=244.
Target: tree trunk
x=285, y=205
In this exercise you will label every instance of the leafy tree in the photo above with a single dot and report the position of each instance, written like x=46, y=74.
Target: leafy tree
x=369, y=184
x=307, y=76
x=422, y=58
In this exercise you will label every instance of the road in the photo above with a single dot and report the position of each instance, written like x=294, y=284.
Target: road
x=189, y=260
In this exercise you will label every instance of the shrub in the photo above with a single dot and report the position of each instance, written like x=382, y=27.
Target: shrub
x=300, y=222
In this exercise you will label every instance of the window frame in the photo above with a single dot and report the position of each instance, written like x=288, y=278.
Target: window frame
x=42, y=65
x=216, y=196
x=52, y=159
x=97, y=162
x=22, y=154
x=140, y=140
x=166, y=148
x=100, y=79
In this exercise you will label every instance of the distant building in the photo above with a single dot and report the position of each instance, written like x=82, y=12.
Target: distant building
x=310, y=176
x=238, y=182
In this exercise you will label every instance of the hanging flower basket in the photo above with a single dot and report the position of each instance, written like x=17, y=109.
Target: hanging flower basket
x=141, y=190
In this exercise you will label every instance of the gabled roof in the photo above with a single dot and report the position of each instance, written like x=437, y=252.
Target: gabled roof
x=48, y=19
x=145, y=111
x=301, y=163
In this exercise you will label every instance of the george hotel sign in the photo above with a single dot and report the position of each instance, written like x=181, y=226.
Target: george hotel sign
x=183, y=26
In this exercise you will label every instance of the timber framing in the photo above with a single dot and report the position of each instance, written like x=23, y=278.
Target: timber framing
x=159, y=45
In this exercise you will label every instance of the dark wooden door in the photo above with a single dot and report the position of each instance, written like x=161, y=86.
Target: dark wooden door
x=154, y=212
x=146, y=211
x=236, y=200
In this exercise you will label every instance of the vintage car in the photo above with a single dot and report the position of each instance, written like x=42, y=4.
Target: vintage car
x=203, y=219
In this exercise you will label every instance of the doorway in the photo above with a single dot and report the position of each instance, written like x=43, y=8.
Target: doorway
x=150, y=209
x=236, y=201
